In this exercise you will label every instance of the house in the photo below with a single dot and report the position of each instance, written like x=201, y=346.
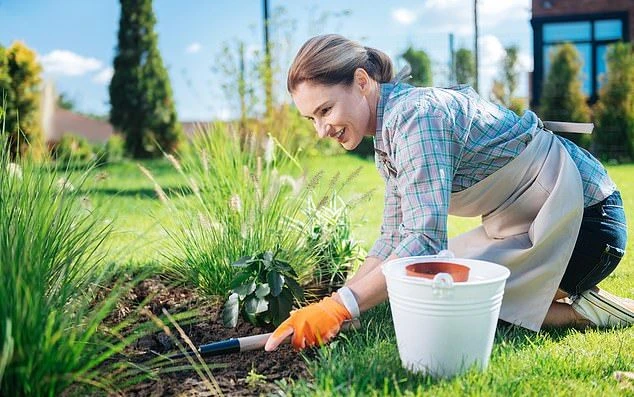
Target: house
x=57, y=121
x=590, y=25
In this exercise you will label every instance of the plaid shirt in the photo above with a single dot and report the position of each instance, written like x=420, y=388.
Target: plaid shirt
x=431, y=142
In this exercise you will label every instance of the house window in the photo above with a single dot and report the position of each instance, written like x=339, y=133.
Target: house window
x=591, y=38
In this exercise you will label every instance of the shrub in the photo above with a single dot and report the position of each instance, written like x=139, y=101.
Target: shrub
x=73, y=149
x=112, y=151
x=615, y=110
x=562, y=98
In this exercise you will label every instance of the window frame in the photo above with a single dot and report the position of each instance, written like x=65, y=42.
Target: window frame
x=538, y=24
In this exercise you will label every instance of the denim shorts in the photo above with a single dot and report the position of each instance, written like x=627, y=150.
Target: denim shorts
x=600, y=245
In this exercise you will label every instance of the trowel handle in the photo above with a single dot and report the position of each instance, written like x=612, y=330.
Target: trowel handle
x=257, y=342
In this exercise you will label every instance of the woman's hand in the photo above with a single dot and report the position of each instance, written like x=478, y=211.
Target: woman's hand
x=314, y=324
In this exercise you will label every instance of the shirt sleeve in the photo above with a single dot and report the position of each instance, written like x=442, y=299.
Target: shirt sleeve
x=392, y=217
x=426, y=156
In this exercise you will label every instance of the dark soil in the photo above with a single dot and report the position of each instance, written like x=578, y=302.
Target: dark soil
x=237, y=374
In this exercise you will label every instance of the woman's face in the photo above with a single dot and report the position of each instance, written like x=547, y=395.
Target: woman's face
x=340, y=112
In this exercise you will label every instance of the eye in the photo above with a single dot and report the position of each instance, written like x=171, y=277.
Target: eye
x=325, y=111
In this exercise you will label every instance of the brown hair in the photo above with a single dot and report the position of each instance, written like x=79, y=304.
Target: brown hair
x=332, y=59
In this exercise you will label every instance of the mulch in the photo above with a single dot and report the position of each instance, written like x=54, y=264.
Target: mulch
x=237, y=374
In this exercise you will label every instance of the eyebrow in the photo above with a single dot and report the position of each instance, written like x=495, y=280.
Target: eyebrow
x=319, y=107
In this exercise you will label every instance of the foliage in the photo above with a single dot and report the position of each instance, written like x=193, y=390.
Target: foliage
x=247, y=77
x=264, y=290
x=20, y=91
x=504, y=88
x=64, y=101
x=51, y=332
x=77, y=150
x=562, y=98
x=328, y=231
x=465, y=66
x=73, y=149
x=113, y=150
x=421, y=67
x=140, y=91
x=615, y=110
x=241, y=200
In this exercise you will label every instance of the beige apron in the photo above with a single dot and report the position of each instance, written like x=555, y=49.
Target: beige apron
x=531, y=213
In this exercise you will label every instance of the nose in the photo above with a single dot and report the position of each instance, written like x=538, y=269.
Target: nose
x=322, y=128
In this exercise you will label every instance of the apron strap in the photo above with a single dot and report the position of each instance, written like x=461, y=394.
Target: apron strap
x=561, y=126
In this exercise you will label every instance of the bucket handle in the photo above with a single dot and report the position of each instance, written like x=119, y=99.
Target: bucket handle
x=442, y=285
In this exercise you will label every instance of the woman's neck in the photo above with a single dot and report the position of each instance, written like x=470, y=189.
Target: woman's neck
x=373, y=103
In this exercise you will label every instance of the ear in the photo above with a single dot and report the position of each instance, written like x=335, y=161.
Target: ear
x=362, y=80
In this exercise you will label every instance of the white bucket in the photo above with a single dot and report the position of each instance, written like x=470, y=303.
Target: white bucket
x=443, y=327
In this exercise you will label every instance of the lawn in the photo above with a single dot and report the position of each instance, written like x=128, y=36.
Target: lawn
x=366, y=362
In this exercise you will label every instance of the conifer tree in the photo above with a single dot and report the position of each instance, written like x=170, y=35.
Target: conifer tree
x=615, y=110
x=141, y=101
x=562, y=98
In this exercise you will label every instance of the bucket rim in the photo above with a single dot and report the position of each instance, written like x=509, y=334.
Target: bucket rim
x=387, y=270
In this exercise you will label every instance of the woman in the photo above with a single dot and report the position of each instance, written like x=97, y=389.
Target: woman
x=550, y=212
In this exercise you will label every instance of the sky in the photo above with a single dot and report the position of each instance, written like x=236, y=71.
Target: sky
x=76, y=39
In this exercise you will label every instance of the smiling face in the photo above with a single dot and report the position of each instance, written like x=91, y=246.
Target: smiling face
x=342, y=112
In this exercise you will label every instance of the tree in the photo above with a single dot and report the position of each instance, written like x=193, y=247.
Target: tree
x=20, y=85
x=503, y=91
x=562, y=98
x=421, y=67
x=64, y=101
x=140, y=92
x=465, y=67
x=615, y=110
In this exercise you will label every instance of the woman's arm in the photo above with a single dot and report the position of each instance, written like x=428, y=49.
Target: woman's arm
x=369, y=286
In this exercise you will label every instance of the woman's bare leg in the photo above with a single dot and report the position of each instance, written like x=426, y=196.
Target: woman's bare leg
x=563, y=315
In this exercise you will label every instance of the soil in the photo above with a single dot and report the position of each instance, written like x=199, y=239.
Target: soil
x=237, y=374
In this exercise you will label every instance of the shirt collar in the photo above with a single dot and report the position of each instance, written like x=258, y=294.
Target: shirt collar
x=384, y=95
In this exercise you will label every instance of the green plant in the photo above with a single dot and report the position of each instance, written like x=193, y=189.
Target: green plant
x=328, y=232
x=241, y=198
x=112, y=151
x=73, y=149
x=254, y=379
x=51, y=331
x=263, y=291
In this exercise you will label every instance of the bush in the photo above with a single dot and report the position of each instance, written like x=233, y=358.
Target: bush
x=73, y=149
x=562, y=98
x=615, y=110
x=112, y=151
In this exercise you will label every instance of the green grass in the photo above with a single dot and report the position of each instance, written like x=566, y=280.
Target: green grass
x=366, y=362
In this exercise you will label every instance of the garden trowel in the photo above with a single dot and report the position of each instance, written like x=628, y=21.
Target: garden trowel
x=244, y=343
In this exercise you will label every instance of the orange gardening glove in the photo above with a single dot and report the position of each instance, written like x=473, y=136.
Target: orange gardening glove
x=314, y=324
